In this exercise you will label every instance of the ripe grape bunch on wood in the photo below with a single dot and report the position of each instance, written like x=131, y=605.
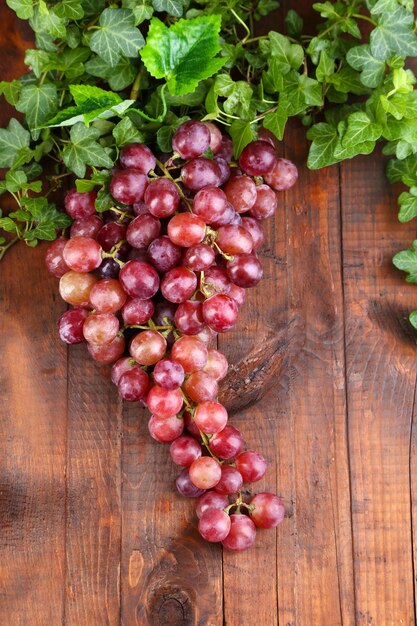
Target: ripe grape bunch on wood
x=154, y=279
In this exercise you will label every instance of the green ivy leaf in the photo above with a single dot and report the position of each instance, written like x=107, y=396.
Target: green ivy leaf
x=184, y=53
x=242, y=133
x=172, y=7
x=141, y=10
x=69, y=9
x=126, y=132
x=116, y=36
x=119, y=77
x=84, y=150
x=294, y=23
x=325, y=140
x=394, y=35
x=276, y=122
x=408, y=205
x=372, y=69
x=360, y=128
x=22, y=8
x=404, y=171
x=12, y=140
x=413, y=318
x=11, y=91
x=290, y=55
x=38, y=103
x=406, y=260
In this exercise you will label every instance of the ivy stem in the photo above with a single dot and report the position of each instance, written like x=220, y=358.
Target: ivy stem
x=6, y=246
x=245, y=26
x=134, y=92
x=160, y=117
x=359, y=16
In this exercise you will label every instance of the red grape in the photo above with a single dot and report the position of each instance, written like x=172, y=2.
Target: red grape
x=125, y=364
x=137, y=156
x=228, y=443
x=224, y=169
x=70, y=326
x=80, y=205
x=283, y=175
x=269, y=510
x=266, y=135
x=251, y=465
x=54, y=259
x=100, y=328
x=214, y=525
x=191, y=353
x=166, y=430
x=245, y=270
x=200, y=173
x=163, y=254
x=164, y=402
x=128, y=186
x=186, y=487
x=186, y=229
x=226, y=148
x=216, y=280
x=201, y=387
x=216, y=364
x=189, y=317
x=137, y=311
x=205, y=472
x=108, y=352
x=107, y=296
x=210, y=417
x=133, y=384
x=242, y=533
x=185, y=450
x=255, y=229
x=148, y=347
x=86, y=227
x=191, y=139
x=210, y=203
x=142, y=231
x=168, y=374
x=220, y=313
x=258, y=158
x=238, y=294
x=265, y=203
x=82, y=254
x=179, y=284
x=215, y=137
x=75, y=288
x=241, y=193
x=234, y=239
x=230, y=482
x=199, y=257
x=210, y=500
x=110, y=234
x=162, y=197
x=139, y=279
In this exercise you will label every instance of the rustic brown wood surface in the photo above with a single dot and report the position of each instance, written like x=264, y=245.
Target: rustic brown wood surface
x=92, y=532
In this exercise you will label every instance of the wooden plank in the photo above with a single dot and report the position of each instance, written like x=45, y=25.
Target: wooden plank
x=33, y=416
x=381, y=382
x=93, y=487
x=169, y=575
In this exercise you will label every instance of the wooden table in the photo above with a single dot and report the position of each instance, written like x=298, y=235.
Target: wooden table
x=92, y=532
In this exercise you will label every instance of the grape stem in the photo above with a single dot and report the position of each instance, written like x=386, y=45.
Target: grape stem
x=206, y=442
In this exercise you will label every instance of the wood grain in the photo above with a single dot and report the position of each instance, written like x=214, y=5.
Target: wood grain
x=323, y=382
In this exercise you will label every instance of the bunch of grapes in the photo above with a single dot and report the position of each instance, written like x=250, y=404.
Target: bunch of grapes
x=154, y=279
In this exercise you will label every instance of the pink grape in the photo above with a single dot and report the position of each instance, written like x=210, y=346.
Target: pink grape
x=258, y=158
x=283, y=175
x=214, y=525
x=245, y=270
x=265, y=203
x=226, y=148
x=206, y=335
x=224, y=169
x=255, y=229
x=108, y=352
x=133, y=384
x=82, y=254
x=210, y=500
x=148, y=347
x=241, y=193
x=80, y=205
x=227, y=217
x=266, y=135
x=70, y=326
x=128, y=186
x=230, y=482
x=142, y=231
x=215, y=136
x=191, y=139
x=216, y=365
x=163, y=254
x=216, y=280
x=86, y=227
x=269, y=510
x=164, y=402
x=165, y=430
x=209, y=204
x=75, y=288
x=205, y=472
x=186, y=487
x=191, y=426
x=251, y=465
x=101, y=328
x=139, y=279
x=242, y=533
x=237, y=294
x=210, y=417
x=137, y=156
x=185, y=450
x=125, y=364
x=228, y=443
x=199, y=257
x=200, y=173
x=201, y=387
x=189, y=317
x=137, y=311
x=162, y=197
x=178, y=285
x=186, y=229
x=54, y=259
x=220, y=313
x=191, y=353
x=234, y=239
x=107, y=296
x=168, y=374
